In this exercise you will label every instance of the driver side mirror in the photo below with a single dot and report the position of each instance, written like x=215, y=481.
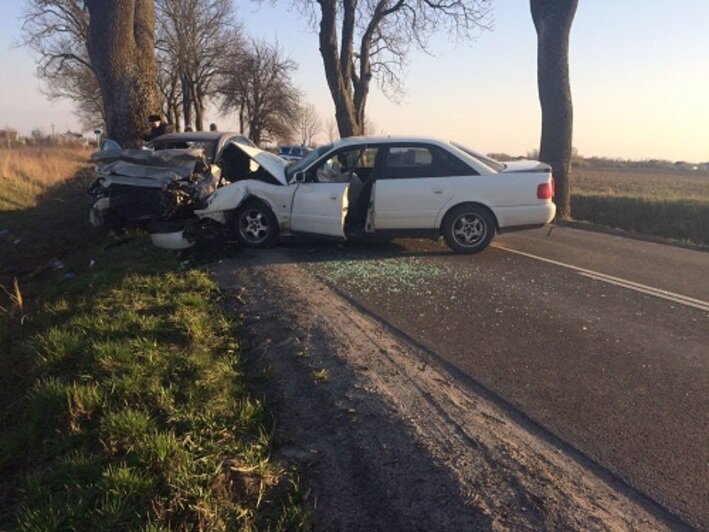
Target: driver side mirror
x=299, y=177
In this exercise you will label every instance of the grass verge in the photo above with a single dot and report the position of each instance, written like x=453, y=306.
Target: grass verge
x=122, y=397
x=685, y=220
x=667, y=204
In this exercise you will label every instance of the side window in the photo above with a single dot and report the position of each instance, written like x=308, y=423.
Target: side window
x=446, y=164
x=407, y=162
x=340, y=167
x=404, y=162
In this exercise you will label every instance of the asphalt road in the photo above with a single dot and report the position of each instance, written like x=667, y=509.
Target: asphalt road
x=602, y=340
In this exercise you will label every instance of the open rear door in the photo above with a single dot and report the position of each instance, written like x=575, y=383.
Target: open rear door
x=320, y=209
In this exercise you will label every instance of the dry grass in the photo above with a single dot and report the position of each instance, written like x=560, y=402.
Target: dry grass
x=43, y=207
x=26, y=173
x=646, y=184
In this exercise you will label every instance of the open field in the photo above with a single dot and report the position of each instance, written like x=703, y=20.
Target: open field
x=27, y=173
x=123, y=401
x=667, y=204
x=648, y=184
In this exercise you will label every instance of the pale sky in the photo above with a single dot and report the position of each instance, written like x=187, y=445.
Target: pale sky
x=639, y=74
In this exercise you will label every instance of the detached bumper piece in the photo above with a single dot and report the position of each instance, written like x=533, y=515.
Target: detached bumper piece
x=170, y=235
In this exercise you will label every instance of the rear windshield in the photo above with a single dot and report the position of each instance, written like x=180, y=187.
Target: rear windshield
x=206, y=145
x=487, y=161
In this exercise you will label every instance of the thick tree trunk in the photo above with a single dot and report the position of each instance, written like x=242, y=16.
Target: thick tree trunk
x=337, y=74
x=121, y=45
x=552, y=21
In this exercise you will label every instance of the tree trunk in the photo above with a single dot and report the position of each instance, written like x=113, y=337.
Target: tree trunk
x=242, y=117
x=187, y=104
x=176, y=113
x=121, y=43
x=552, y=21
x=339, y=82
x=199, y=109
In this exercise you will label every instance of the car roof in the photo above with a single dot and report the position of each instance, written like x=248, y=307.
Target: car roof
x=196, y=136
x=388, y=139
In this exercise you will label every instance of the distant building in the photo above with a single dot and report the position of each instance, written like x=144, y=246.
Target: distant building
x=8, y=136
x=73, y=139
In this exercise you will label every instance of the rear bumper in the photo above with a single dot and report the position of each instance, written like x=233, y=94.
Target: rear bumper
x=527, y=216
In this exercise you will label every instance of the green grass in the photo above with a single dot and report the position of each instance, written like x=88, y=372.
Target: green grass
x=122, y=396
x=662, y=203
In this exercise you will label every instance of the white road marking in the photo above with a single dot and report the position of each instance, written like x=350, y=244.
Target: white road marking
x=617, y=281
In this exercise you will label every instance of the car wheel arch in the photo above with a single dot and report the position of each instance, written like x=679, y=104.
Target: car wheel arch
x=268, y=216
x=248, y=199
x=449, y=209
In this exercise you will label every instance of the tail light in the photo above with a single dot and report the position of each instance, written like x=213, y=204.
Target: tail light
x=546, y=191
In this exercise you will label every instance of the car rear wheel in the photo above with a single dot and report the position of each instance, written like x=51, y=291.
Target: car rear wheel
x=256, y=225
x=468, y=229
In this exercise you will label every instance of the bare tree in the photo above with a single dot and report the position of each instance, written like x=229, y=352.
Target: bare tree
x=369, y=127
x=331, y=129
x=170, y=90
x=121, y=44
x=257, y=84
x=309, y=124
x=374, y=40
x=57, y=30
x=193, y=33
x=552, y=21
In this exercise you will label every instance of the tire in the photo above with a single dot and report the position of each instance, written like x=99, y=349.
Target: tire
x=468, y=229
x=256, y=225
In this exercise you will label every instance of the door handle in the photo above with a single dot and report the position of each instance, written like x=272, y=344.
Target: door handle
x=334, y=196
x=438, y=191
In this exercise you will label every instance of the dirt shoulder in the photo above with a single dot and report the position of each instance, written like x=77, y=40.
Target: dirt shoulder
x=388, y=440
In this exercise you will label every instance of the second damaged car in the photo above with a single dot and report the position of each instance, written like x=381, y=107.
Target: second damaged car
x=374, y=187
x=165, y=182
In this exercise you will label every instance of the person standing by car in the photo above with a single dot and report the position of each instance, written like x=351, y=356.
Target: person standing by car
x=157, y=128
x=213, y=127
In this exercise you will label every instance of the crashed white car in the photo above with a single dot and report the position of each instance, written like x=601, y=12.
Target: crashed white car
x=376, y=186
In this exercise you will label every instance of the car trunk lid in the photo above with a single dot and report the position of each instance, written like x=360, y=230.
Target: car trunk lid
x=525, y=166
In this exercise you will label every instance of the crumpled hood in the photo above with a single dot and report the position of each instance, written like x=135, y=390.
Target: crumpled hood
x=273, y=164
x=146, y=168
x=525, y=166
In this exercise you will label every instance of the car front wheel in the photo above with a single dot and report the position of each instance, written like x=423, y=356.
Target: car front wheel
x=468, y=229
x=256, y=225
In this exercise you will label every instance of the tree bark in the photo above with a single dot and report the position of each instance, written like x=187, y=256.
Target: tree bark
x=552, y=21
x=199, y=108
x=187, y=103
x=337, y=80
x=121, y=44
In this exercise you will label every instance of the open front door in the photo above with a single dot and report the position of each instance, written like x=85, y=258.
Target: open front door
x=320, y=209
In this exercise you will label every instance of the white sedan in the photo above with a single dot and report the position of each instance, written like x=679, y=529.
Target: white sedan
x=379, y=186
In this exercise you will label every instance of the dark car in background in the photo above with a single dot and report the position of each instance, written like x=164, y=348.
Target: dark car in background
x=292, y=152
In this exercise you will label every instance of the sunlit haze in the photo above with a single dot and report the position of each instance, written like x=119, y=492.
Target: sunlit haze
x=639, y=72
